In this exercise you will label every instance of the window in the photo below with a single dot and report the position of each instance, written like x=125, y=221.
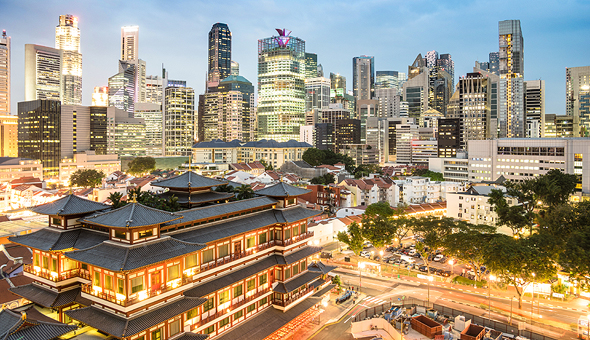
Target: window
x=208, y=255
x=54, y=265
x=175, y=327
x=146, y=233
x=193, y=313
x=238, y=314
x=262, y=302
x=262, y=279
x=190, y=261
x=223, y=322
x=120, y=234
x=69, y=264
x=120, y=286
x=157, y=334
x=223, y=250
x=209, y=304
x=56, y=221
x=303, y=265
x=295, y=270
x=224, y=297
x=136, y=284
x=173, y=272
x=36, y=262
x=287, y=233
x=278, y=274
x=250, y=285
x=108, y=282
x=237, y=291
x=251, y=307
x=262, y=238
x=287, y=273
x=303, y=228
x=250, y=242
x=96, y=279
x=84, y=266
x=295, y=230
x=210, y=329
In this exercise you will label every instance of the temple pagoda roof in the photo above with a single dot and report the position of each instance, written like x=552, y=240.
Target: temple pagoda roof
x=189, y=180
x=15, y=326
x=122, y=327
x=282, y=189
x=196, y=198
x=46, y=297
x=122, y=257
x=55, y=239
x=69, y=205
x=132, y=215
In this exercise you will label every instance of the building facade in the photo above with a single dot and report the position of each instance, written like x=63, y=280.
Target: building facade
x=363, y=77
x=219, y=53
x=42, y=73
x=311, y=65
x=534, y=106
x=281, y=87
x=9, y=136
x=577, y=97
x=151, y=113
x=179, y=121
x=87, y=160
x=129, y=43
x=67, y=39
x=5, y=50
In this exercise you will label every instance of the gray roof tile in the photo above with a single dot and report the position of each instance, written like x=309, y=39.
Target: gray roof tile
x=301, y=254
x=320, y=267
x=119, y=326
x=282, y=189
x=42, y=331
x=202, y=213
x=196, y=198
x=291, y=285
x=55, y=239
x=120, y=257
x=46, y=297
x=188, y=180
x=131, y=215
x=69, y=205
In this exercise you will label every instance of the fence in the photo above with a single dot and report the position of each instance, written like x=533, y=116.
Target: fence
x=504, y=327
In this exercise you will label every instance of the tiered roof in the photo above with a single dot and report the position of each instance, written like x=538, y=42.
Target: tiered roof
x=132, y=215
x=203, y=213
x=46, y=297
x=282, y=189
x=189, y=180
x=54, y=239
x=69, y=205
x=15, y=326
x=196, y=198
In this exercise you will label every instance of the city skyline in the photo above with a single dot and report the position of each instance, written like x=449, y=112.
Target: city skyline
x=470, y=34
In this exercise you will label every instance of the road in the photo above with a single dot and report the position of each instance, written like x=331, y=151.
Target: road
x=381, y=291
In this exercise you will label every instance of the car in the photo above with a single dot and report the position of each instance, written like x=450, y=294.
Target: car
x=365, y=254
x=417, y=255
x=446, y=273
x=438, y=257
x=439, y=272
x=423, y=269
x=432, y=270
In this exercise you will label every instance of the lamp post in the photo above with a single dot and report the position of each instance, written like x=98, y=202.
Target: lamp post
x=361, y=265
x=430, y=278
x=533, y=298
x=491, y=278
x=452, y=263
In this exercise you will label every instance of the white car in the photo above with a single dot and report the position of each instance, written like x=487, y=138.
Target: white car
x=365, y=254
x=438, y=257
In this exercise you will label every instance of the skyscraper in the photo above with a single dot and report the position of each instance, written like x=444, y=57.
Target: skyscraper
x=317, y=93
x=534, y=105
x=179, y=121
x=281, y=86
x=416, y=89
x=4, y=74
x=67, y=39
x=337, y=81
x=446, y=63
x=219, y=53
x=388, y=102
x=235, y=68
x=152, y=116
x=311, y=65
x=42, y=73
x=494, y=63
x=129, y=42
x=363, y=77
x=511, y=117
x=577, y=97
x=386, y=80
x=100, y=96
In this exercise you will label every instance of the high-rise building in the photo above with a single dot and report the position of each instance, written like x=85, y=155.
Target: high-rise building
x=42, y=73
x=128, y=86
x=363, y=77
x=126, y=136
x=446, y=63
x=416, y=88
x=99, y=126
x=577, y=98
x=317, y=93
x=449, y=137
x=228, y=110
x=281, y=87
x=388, y=102
x=129, y=43
x=219, y=54
x=4, y=74
x=67, y=39
x=151, y=113
x=366, y=109
x=441, y=72
x=337, y=81
x=39, y=133
x=511, y=118
x=100, y=96
x=154, y=89
x=320, y=70
x=494, y=63
x=386, y=80
x=311, y=65
x=235, y=68
x=8, y=136
x=534, y=105
x=179, y=121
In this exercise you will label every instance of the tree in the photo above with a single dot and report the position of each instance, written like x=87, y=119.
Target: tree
x=317, y=157
x=224, y=188
x=337, y=281
x=516, y=217
x=431, y=233
x=365, y=170
x=519, y=261
x=574, y=260
x=244, y=192
x=353, y=238
x=433, y=175
x=266, y=165
x=470, y=244
x=555, y=187
x=141, y=165
x=324, y=179
x=378, y=227
x=149, y=199
x=115, y=198
x=86, y=178
x=313, y=156
x=401, y=224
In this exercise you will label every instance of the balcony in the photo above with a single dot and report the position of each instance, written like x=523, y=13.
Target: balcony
x=237, y=256
x=293, y=298
x=231, y=308
x=50, y=275
x=105, y=295
x=295, y=239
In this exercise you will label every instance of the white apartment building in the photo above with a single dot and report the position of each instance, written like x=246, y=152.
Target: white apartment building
x=452, y=169
x=519, y=159
x=88, y=160
x=416, y=190
x=370, y=190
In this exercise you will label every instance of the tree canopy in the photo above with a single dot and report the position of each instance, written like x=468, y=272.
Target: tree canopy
x=324, y=179
x=433, y=175
x=87, y=178
x=315, y=157
x=378, y=226
x=244, y=192
x=142, y=165
x=352, y=238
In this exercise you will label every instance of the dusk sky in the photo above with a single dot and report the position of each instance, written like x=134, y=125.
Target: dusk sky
x=174, y=33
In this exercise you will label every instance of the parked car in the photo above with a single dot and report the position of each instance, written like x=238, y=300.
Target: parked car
x=423, y=269
x=432, y=270
x=438, y=257
x=439, y=272
x=365, y=253
x=446, y=273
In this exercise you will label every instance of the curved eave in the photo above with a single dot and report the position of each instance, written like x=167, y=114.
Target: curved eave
x=127, y=228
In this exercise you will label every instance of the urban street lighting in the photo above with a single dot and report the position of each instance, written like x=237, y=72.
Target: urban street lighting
x=491, y=278
x=361, y=265
x=430, y=278
x=452, y=263
x=533, y=298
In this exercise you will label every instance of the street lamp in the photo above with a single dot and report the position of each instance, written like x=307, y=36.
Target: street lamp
x=381, y=255
x=430, y=278
x=452, y=263
x=533, y=298
x=491, y=278
x=361, y=265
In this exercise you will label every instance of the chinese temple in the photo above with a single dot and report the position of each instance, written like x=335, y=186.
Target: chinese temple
x=192, y=189
x=242, y=269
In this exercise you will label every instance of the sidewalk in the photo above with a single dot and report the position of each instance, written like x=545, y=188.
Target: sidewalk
x=331, y=314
